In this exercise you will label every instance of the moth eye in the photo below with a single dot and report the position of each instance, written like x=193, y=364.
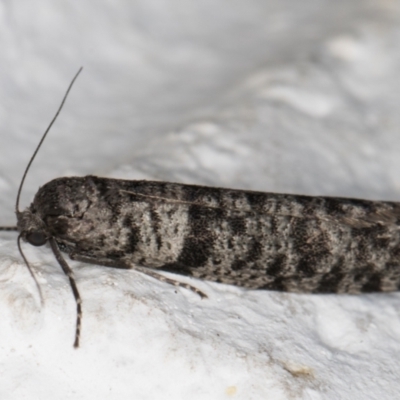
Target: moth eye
x=36, y=238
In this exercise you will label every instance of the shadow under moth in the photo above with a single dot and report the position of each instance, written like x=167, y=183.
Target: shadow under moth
x=248, y=239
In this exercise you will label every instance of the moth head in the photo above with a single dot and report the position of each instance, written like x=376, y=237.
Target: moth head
x=32, y=228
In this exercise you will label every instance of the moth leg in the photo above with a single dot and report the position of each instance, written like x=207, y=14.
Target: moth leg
x=146, y=271
x=68, y=271
x=101, y=261
x=162, y=278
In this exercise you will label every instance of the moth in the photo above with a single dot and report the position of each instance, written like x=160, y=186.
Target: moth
x=250, y=239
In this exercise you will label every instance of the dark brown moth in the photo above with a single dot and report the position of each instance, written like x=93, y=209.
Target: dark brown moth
x=248, y=239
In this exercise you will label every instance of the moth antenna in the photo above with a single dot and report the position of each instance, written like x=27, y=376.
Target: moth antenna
x=8, y=228
x=42, y=139
x=30, y=270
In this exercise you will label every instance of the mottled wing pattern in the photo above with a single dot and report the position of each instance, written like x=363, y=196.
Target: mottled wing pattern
x=249, y=239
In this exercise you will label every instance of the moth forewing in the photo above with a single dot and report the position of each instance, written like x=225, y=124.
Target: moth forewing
x=249, y=239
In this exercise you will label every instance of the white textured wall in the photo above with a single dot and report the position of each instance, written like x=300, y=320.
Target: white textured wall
x=287, y=96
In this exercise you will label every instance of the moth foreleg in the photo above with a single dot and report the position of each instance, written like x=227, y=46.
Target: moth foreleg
x=146, y=271
x=68, y=271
